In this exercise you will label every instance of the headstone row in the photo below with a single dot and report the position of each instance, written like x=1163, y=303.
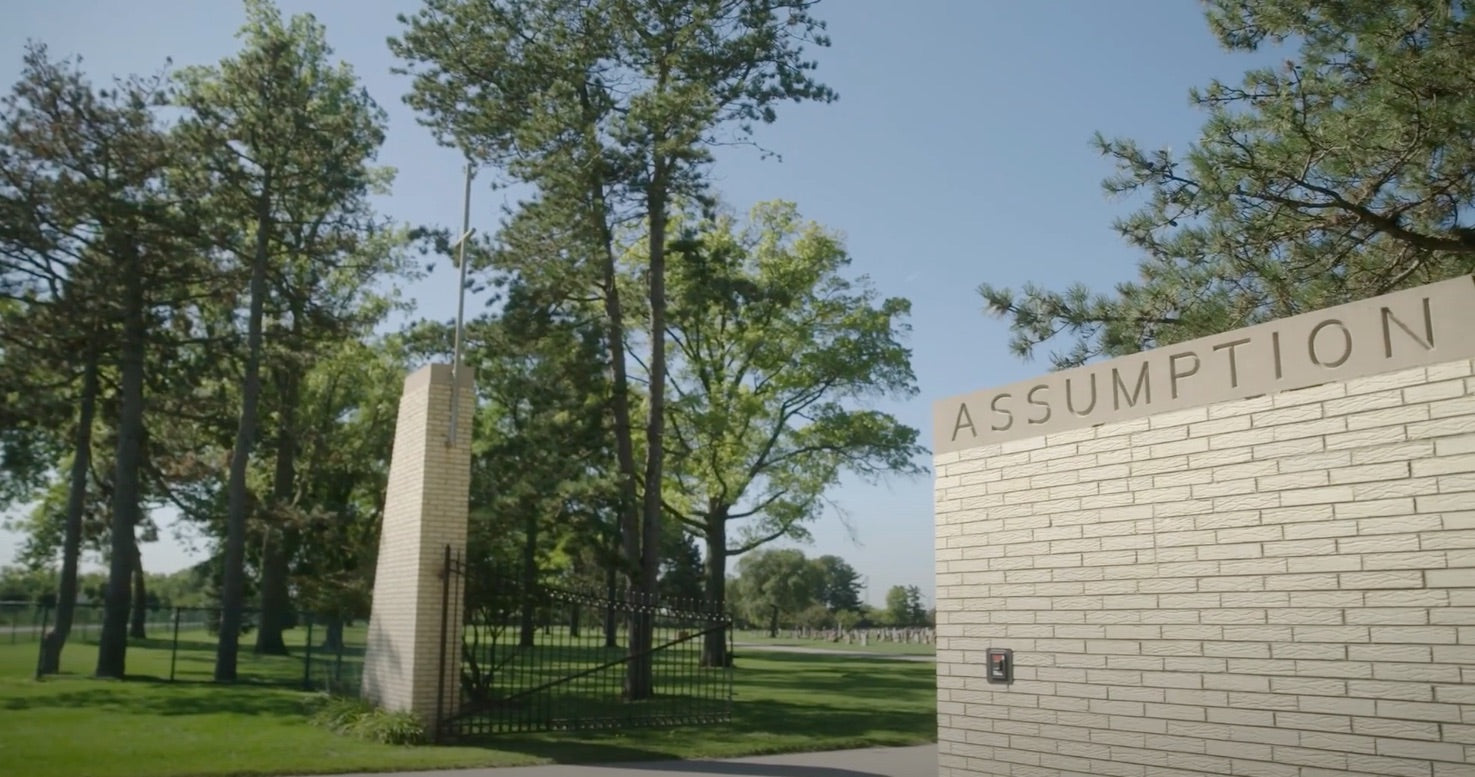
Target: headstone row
x=912, y=636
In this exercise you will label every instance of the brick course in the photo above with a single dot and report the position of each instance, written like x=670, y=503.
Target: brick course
x=1279, y=586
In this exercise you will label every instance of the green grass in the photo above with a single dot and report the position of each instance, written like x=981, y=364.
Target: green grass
x=79, y=727
x=882, y=648
x=195, y=658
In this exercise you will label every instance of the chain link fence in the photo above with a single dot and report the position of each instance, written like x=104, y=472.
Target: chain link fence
x=178, y=644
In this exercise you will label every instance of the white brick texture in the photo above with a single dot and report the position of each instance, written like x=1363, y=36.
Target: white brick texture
x=1273, y=587
x=425, y=510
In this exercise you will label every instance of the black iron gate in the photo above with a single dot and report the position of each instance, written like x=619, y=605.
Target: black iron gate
x=535, y=657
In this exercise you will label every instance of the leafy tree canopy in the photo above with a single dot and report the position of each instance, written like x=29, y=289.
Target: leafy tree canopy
x=777, y=355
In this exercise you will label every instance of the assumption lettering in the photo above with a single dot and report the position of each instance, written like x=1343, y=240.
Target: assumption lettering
x=1405, y=329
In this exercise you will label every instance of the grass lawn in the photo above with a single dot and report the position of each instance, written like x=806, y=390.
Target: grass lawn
x=79, y=727
x=885, y=648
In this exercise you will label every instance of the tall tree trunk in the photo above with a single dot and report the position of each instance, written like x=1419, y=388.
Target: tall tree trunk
x=276, y=600
x=714, y=645
x=233, y=585
x=773, y=623
x=630, y=535
x=629, y=503
x=624, y=425
x=138, y=627
x=529, y=577
x=639, y=680
x=112, y=647
x=66, y=602
x=573, y=621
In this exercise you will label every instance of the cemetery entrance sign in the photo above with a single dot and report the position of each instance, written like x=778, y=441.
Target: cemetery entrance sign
x=1249, y=554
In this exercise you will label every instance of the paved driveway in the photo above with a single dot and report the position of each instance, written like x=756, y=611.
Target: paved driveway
x=872, y=762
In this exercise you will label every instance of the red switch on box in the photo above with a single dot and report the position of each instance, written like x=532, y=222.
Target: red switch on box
x=1000, y=665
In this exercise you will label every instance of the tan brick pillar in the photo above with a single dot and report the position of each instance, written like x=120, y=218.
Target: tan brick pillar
x=425, y=511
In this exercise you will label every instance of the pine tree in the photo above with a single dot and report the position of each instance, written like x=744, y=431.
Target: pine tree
x=285, y=136
x=1346, y=172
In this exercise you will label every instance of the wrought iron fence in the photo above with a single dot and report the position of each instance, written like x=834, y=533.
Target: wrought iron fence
x=535, y=657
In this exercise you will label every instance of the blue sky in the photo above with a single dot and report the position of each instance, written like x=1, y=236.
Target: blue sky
x=958, y=153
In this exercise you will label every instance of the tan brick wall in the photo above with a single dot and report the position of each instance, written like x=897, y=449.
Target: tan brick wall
x=1274, y=587
x=425, y=510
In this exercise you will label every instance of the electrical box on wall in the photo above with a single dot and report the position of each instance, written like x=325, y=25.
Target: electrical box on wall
x=1000, y=665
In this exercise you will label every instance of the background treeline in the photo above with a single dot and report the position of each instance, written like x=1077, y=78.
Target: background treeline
x=781, y=588
x=26, y=590
x=811, y=593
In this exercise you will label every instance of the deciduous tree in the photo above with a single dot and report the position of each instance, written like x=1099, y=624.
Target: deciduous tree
x=840, y=584
x=775, y=583
x=777, y=359
x=904, y=606
x=349, y=400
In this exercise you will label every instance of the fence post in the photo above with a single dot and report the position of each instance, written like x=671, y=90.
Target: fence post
x=731, y=663
x=307, y=658
x=337, y=686
x=440, y=672
x=41, y=644
x=174, y=646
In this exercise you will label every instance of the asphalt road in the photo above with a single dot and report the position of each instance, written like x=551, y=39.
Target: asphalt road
x=871, y=762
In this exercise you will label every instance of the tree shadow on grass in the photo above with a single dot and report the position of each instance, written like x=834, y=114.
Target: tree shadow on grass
x=778, y=717
x=849, y=684
x=165, y=644
x=851, y=679
x=826, y=700
x=831, y=727
x=154, y=696
x=833, y=664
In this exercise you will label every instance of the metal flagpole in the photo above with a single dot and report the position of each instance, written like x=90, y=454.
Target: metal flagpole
x=461, y=242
